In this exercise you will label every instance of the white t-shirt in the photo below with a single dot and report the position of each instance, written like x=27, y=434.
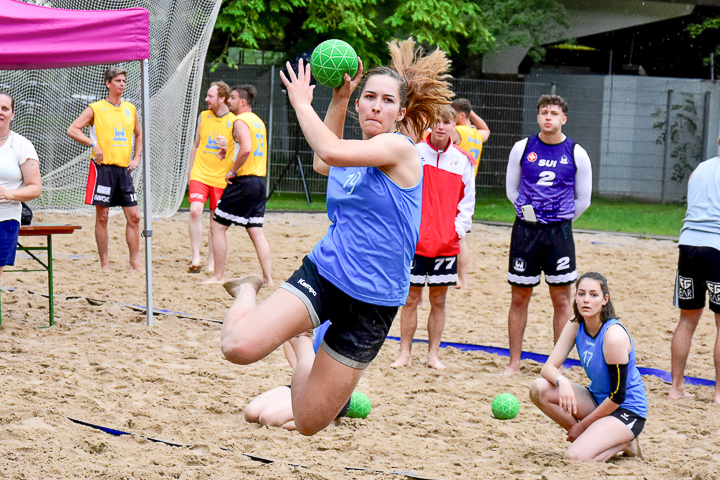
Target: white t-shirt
x=14, y=152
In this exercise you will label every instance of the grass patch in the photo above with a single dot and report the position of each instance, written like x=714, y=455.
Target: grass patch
x=604, y=214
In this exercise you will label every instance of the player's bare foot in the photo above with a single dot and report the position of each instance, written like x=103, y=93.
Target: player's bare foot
x=634, y=449
x=402, y=361
x=678, y=393
x=269, y=282
x=233, y=286
x=213, y=281
x=510, y=371
x=105, y=268
x=138, y=267
x=435, y=363
x=461, y=283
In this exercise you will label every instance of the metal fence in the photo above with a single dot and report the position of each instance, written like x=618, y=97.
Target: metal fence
x=643, y=135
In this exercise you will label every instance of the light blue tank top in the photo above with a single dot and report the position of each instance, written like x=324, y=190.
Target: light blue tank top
x=701, y=227
x=368, y=248
x=592, y=358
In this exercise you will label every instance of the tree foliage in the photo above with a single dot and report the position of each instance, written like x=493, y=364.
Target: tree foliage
x=463, y=28
x=697, y=29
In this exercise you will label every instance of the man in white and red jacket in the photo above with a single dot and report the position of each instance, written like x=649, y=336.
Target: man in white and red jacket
x=447, y=209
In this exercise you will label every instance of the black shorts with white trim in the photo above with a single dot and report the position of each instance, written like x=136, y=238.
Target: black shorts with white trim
x=547, y=248
x=435, y=272
x=242, y=203
x=698, y=271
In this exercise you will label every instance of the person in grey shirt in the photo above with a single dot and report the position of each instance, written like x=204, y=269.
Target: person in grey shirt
x=698, y=270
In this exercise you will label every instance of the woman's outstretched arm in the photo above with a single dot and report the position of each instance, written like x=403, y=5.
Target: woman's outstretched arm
x=336, y=113
x=381, y=150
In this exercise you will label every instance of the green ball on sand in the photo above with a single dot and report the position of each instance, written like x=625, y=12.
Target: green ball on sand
x=505, y=406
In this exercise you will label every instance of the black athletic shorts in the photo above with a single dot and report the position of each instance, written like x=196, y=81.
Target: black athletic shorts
x=110, y=186
x=698, y=271
x=436, y=272
x=357, y=330
x=537, y=247
x=242, y=203
x=630, y=419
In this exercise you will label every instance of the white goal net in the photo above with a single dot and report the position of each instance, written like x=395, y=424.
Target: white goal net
x=47, y=102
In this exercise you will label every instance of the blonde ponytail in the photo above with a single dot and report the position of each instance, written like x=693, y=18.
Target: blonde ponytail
x=424, y=88
x=426, y=79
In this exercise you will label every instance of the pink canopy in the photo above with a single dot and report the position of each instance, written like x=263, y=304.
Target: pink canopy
x=33, y=37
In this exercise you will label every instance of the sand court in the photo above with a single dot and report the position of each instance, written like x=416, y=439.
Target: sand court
x=101, y=364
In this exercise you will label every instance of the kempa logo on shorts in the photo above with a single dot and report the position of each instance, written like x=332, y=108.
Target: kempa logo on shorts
x=532, y=156
x=519, y=265
x=685, y=288
x=714, y=291
x=103, y=190
x=101, y=198
x=307, y=286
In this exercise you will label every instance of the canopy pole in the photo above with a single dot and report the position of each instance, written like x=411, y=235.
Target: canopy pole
x=147, y=199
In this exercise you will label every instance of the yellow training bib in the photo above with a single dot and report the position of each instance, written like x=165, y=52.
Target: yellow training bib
x=472, y=142
x=256, y=164
x=113, y=129
x=208, y=168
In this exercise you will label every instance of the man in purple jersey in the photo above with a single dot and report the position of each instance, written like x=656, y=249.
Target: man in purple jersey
x=549, y=180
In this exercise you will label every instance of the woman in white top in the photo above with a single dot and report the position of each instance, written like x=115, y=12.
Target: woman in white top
x=19, y=180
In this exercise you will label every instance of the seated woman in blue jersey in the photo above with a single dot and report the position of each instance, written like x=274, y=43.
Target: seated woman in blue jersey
x=359, y=273
x=605, y=418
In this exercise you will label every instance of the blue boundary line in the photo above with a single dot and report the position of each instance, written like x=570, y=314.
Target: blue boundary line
x=570, y=362
x=120, y=433
x=465, y=347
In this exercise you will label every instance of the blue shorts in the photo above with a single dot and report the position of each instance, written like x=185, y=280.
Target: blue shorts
x=9, y=231
x=357, y=330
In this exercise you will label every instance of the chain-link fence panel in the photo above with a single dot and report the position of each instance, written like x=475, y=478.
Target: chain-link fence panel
x=621, y=122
